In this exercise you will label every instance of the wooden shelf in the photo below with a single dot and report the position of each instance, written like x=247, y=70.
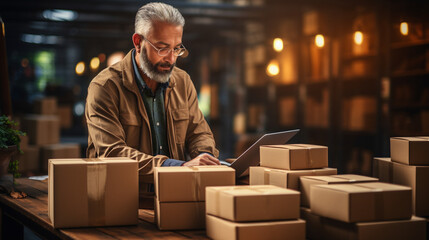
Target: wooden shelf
x=360, y=57
x=412, y=73
x=408, y=44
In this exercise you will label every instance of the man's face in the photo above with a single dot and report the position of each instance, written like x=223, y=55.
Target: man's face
x=162, y=35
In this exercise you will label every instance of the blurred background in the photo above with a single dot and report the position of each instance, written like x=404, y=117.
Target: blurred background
x=349, y=74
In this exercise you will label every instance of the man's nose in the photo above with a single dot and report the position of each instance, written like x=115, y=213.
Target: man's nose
x=170, y=57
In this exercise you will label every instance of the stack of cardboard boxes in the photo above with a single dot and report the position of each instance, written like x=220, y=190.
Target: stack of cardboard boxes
x=43, y=137
x=282, y=165
x=180, y=194
x=409, y=166
x=253, y=212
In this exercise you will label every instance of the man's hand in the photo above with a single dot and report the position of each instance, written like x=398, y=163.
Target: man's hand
x=202, y=159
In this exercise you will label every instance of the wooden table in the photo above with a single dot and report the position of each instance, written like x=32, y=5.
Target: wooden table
x=32, y=212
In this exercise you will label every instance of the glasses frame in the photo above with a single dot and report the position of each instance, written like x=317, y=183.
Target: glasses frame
x=181, y=48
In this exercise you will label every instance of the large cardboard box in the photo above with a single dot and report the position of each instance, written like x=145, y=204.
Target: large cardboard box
x=382, y=168
x=59, y=150
x=308, y=181
x=252, y=203
x=184, y=184
x=361, y=202
x=29, y=161
x=290, y=178
x=294, y=156
x=45, y=106
x=416, y=177
x=93, y=192
x=41, y=129
x=322, y=228
x=221, y=229
x=180, y=215
x=410, y=150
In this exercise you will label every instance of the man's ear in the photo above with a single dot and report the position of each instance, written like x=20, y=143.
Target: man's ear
x=136, y=41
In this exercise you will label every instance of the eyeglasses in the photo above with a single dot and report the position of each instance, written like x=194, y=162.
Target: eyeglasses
x=165, y=51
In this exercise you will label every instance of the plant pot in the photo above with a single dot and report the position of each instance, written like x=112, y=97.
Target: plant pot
x=5, y=157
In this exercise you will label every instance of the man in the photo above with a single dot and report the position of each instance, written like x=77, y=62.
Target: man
x=144, y=107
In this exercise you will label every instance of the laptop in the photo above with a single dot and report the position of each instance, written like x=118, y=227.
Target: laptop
x=250, y=157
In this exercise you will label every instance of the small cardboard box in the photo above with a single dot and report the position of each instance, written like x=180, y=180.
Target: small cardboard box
x=252, y=203
x=259, y=176
x=221, y=229
x=185, y=184
x=93, y=192
x=382, y=168
x=416, y=177
x=318, y=227
x=59, y=150
x=41, y=129
x=180, y=215
x=290, y=178
x=45, y=106
x=361, y=202
x=307, y=181
x=29, y=161
x=294, y=156
x=410, y=150
x=65, y=114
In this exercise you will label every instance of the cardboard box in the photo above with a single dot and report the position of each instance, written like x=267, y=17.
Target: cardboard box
x=218, y=228
x=252, y=203
x=66, y=116
x=308, y=181
x=361, y=202
x=382, y=168
x=41, y=129
x=416, y=177
x=184, y=184
x=180, y=215
x=290, y=178
x=29, y=161
x=294, y=156
x=410, y=150
x=321, y=228
x=45, y=106
x=259, y=175
x=93, y=192
x=59, y=150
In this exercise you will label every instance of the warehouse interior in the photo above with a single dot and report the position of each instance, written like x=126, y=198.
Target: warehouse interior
x=348, y=74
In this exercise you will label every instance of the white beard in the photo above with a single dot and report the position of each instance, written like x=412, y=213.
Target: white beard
x=151, y=70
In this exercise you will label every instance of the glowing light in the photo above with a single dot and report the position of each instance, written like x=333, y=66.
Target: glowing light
x=358, y=37
x=114, y=58
x=102, y=57
x=319, y=40
x=273, y=68
x=278, y=44
x=95, y=63
x=404, y=28
x=80, y=68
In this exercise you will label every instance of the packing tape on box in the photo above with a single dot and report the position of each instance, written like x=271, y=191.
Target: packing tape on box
x=309, y=155
x=378, y=201
x=96, y=176
x=196, y=184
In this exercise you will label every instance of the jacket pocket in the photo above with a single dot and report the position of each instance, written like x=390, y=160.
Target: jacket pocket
x=132, y=127
x=180, y=122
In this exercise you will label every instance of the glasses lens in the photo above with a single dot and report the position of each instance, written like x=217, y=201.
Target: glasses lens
x=163, y=51
x=179, y=51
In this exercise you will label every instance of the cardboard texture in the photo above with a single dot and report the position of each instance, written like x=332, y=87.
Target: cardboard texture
x=252, y=203
x=259, y=175
x=45, y=106
x=41, y=129
x=361, y=202
x=59, y=150
x=290, y=178
x=218, y=228
x=29, y=160
x=416, y=177
x=92, y=192
x=294, y=156
x=184, y=184
x=410, y=150
x=321, y=228
x=382, y=168
x=180, y=215
x=66, y=116
x=307, y=181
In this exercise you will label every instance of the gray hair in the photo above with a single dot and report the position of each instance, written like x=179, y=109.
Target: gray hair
x=156, y=11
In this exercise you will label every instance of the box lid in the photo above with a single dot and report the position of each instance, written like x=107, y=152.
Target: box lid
x=76, y=161
x=254, y=190
x=215, y=168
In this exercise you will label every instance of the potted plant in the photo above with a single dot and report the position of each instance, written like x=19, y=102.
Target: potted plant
x=9, y=145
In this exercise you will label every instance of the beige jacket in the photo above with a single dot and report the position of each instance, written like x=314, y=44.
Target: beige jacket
x=118, y=124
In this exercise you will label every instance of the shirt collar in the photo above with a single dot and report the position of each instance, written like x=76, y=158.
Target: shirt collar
x=140, y=78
